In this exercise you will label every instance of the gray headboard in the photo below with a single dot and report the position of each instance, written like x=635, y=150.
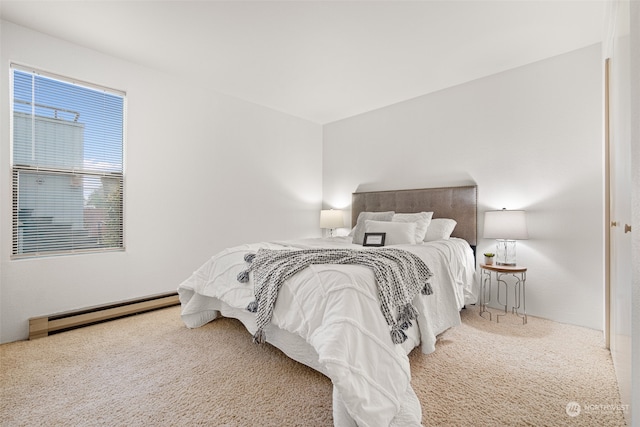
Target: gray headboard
x=458, y=203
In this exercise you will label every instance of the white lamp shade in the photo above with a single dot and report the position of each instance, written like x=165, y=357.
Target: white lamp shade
x=504, y=224
x=331, y=218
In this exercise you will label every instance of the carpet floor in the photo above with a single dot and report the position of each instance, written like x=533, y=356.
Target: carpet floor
x=149, y=370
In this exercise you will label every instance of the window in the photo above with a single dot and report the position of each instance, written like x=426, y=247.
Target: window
x=67, y=165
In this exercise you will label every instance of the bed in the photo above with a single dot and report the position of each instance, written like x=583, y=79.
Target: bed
x=329, y=316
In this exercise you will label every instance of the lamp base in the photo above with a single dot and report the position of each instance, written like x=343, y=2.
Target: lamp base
x=506, y=252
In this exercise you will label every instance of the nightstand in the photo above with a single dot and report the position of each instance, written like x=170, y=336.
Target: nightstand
x=502, y=272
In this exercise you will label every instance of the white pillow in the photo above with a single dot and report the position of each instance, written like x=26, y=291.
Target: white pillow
x=439, y=229
x=358, y=231
x=398, y=233
x=422, y=220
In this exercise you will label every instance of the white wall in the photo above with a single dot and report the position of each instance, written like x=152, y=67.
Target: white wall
x=530, y=138
x=203, y=171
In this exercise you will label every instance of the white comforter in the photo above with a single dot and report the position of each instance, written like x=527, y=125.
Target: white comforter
x=335, y=309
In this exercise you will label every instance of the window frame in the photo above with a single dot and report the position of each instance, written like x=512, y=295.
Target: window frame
x=72, y=172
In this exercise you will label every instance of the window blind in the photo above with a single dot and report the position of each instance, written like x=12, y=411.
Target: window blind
x=67, y=165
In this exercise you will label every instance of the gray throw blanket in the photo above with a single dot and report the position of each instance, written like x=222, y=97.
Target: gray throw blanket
x=399, y=274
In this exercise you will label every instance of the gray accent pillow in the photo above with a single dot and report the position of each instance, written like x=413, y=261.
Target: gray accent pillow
x=358, y=231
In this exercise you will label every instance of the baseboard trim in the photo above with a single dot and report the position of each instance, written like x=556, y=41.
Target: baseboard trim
x=46, y=325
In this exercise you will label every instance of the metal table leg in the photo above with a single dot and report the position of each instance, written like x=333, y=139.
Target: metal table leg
x=519, y=297
x=485, y=291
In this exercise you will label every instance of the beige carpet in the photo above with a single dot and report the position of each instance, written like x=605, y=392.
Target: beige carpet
x=149, y=370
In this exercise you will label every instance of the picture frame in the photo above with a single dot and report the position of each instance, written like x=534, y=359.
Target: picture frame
x=374, y=239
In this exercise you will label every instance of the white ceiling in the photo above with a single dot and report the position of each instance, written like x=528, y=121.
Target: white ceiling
x=321, y=60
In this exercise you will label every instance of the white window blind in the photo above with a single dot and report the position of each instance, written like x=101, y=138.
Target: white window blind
x=67, y=165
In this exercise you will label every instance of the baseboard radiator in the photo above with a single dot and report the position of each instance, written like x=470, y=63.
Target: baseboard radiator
x=46, y=325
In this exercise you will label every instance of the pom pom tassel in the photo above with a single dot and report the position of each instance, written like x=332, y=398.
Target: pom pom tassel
x=410, y=312
x=243, y=276
x=397, y=335
x=249, y=257
x=253, y=306
x=427, y=289
x=259, y=337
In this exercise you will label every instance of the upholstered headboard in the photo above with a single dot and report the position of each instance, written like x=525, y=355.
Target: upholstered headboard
x=458, y=203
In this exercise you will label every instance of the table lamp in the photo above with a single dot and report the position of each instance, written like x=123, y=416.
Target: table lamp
x=331, y=219
x=506, y=227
